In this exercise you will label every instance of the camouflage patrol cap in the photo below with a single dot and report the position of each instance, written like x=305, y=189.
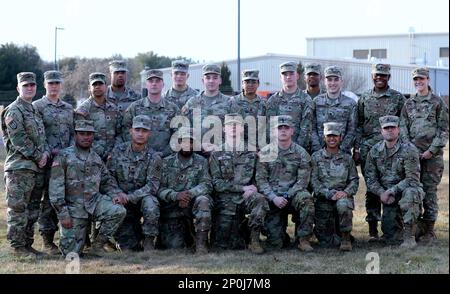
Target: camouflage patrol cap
x=85, y=126
x=333, y=71
x=250, y=74
x=313, y=68
x=211, y=69
x=332, y=128
x=53, y=76
x=421, y=72
x=118, y=65
x=185, y=132
x=380, y=68
x=180, y=65
x=233, y=118
x=285, y=120
x=142, y=122
x=154, y=73
x=288, y=66
x=97, y=77
x=389, y=121
x=24, y=78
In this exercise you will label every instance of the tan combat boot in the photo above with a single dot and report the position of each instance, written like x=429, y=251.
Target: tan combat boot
x=429, y=236
x=373, y=232
x=255, y=244
x=201, y=237
x=304, y=244
x=23, y=252
x=47, y=244
x=102, y=245
x=346, y=243
x=149, y=244
x=409, y=236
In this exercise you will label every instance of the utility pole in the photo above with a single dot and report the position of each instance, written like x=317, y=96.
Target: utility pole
x=56, y=43
x=239, y=46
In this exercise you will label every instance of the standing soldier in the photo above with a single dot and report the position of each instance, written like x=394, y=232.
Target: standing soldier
x=81, y=187
x=335, y=181
x=313, y=77
x=336, y=107
x=284, y=182
x=233, y=172
x=158, y=109
x=210, y=102
x=118, y=92
x=105, y=114
x=180, y=92
x=424, y=122
x=26, y=156
x=373, y=104
x=249, y=104
x=185, y=194
x=293, y=102
x=57, y=117
x=136, y=168
x=393, y=174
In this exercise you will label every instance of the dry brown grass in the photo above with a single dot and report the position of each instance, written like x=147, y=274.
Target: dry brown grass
x=392, y=259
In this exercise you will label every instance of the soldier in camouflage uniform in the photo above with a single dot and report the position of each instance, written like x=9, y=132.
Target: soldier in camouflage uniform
x=180, y=92
x=136, y=168
x=335, y=181
x=185, y=194
x=250, y=105
x=81, y=187
x=105, y=114
x=313, y=77
x=118, y=92
x=373, y=104
x=424, y=122
x=210, y=102
x=284, y=181
x=233, y=170
x=393, y=174
x=26, y=156
x=158, y=109
x=57, y=117
x=292, y=101
x=336, y=107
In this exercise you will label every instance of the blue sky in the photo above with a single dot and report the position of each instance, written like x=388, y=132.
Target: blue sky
x=206, y=30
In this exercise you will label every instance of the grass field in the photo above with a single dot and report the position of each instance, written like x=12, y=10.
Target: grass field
x=434, y=259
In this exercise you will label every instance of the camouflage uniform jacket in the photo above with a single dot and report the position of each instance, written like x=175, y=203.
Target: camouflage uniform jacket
x=299, y=107
x=160, y=114
x=312, y=98
x=231, y=171
x=246, y=107
x=393, y=170
x=107, y=122
x=58, y=122
x=287, y=175
x=77, y=179
x=137, y=174
x=122, y=100
x=332, y=173
x=180, y=98
x=372, y=106
x=424, y=121
x=23, y=136
x=342, y=110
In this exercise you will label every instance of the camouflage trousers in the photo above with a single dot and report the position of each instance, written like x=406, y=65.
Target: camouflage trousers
x=302, y=205
x=229, y=218
x=176, y=223
x=131, y=231
x=110, y=216
x=331, y=219
x=24, y=190
x=373, y=203
x=48, y=220
x=405, y=210
x=431, y=171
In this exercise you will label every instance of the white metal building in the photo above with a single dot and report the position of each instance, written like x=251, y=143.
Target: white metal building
x=356, y=72
x=429, y=49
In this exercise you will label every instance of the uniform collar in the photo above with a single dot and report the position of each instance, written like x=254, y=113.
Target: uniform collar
x=160, y=104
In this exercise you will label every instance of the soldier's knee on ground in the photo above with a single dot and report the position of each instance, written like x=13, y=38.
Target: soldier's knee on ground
x=150, y=207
